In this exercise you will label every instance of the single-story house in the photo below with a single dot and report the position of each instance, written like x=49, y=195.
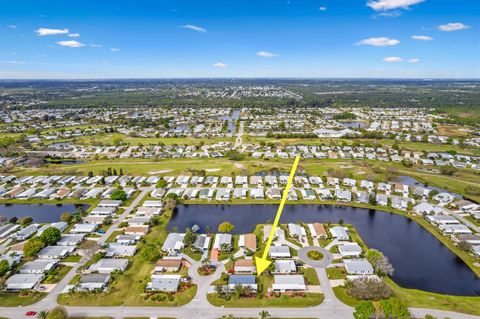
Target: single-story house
x=23, y=282
x=285, y=266
x=168, y=265
x=244, y=266
x=279, y=252
x=317, y=230
x=339, y=233
x=248, y=241
x=90, y=282
x=285, y=283
x=350, y=250
x=55, y=252
x=168, y=283
x=358, y=267
x=115, y=250
x=174, y=243
x=108, y=265
x=39, y=266
x=242, y=280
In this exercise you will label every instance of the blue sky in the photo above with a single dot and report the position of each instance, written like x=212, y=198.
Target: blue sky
x=295, y=38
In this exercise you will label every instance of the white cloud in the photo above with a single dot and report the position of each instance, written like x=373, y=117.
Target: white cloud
x=393, y=59
x=44, y=31
x=322, y=8
x=115, y=49
x=12, y=26
x=414, y=60
x=13, y=62
x=455, y=26
x=93, y=45
x=422, y=38
x=220, y=65
x=71, y=44
x=382, y=5
x=379, y=42
x=194, y=28
x=266, y=54
x=74, y=35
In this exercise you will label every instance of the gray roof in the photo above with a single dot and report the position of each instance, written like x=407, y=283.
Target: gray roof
x=173, y=241
x=165, y=282
x=241, y=280
x=23, y=281
x=285, y=266
x=94, y=278
x=358, y=266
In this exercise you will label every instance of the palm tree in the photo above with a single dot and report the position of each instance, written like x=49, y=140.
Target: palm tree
x=264, y=314
x=42, y=314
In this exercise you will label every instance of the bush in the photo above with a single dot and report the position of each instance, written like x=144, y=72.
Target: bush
x=32, y=247
x=50, y=236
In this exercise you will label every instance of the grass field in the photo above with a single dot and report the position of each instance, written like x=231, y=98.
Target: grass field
x=14, y=299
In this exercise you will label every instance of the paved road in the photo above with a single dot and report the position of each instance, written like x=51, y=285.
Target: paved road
x=50, y=301
x=199, y=307
x=239, y=139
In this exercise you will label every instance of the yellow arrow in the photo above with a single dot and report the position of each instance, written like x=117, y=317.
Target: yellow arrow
x=263, y=263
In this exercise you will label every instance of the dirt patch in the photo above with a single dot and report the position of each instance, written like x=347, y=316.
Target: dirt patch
x=160, y=172
x=212, y=170
x=239, y=165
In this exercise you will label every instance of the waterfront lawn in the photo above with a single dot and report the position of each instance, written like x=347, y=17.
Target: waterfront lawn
x=421, y=299
x=11, y=299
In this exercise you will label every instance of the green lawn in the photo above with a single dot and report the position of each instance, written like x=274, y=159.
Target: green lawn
x=341, y=294
x=422, y=299
x=311, y=277
x=336, y=273
x=10, y=299
x=56, y=274
x=284, y=301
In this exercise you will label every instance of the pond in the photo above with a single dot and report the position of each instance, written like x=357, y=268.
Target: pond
x=355, y=124
x=412, y=182
x=41, y=213
x=420, y=260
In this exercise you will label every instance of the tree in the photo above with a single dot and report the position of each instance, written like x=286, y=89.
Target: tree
x=150, y=253
x=26, y=220
x=57, y=313
x=195, y=228
x=189, y=238
x=161, y=184
x=4, y=267
x=42, y=314
x=264, y=314
x=66, y=217
x=364, y=310
x=464, y=245
x=118, y=194
x=13, y=220
x=226, y=227
x=380, y=262
x=50, y=236
x=368, y=289
x=32, y=247
x=90, y=248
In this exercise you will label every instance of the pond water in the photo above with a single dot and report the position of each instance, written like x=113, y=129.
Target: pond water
x=410, y=181
x=420, y=260
x=231, y=118
x=355, y=124
x=41, y=213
